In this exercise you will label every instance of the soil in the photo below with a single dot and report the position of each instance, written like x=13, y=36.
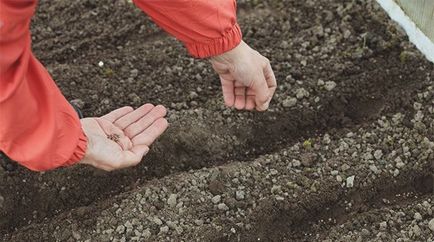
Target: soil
x=345, y=153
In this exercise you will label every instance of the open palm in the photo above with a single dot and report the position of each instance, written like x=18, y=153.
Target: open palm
x=121, y=138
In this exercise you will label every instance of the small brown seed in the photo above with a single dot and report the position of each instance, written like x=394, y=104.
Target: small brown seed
x=114, y=137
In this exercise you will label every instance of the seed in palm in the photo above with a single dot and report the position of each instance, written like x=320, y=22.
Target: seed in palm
x=114, y=137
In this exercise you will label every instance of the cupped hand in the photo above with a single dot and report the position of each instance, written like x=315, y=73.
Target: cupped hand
x=247, y=79
x=121, y=138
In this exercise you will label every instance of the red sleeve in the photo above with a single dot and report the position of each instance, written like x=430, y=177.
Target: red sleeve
x=38, y=127
x=206, y=27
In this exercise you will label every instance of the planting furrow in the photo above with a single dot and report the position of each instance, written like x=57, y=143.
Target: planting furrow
x=194, y=143
x=302, y=191
x=312, y=217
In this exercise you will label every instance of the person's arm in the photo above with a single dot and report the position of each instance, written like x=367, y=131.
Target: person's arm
x=40, y=130
x=38, y=127
x=209, y=28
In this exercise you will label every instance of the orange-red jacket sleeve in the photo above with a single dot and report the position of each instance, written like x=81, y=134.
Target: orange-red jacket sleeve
x=206, y=27
x=38, y=127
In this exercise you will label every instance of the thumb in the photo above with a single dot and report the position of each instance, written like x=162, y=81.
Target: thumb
x=261, y=94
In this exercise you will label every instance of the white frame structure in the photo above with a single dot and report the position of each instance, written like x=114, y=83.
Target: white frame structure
x=416, y=36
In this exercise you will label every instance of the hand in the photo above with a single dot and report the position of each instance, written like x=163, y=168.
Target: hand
x=246, y=76
x=121, y=138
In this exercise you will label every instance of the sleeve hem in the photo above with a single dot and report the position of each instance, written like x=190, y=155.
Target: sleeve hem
x=216, y=46
x=79, y=151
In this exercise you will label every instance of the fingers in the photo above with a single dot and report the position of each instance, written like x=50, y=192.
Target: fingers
x=237, y=94
x=132, y=117
x=113, y=115
x=261, y=94
x=240, y=97
x=146, y=121
x=228, y=91
x=271, y=80
x=250, y=99
x=248, y=67
x=265, y=88
x=149, y=135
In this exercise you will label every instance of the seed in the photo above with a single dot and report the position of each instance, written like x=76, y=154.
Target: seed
x=114, y=137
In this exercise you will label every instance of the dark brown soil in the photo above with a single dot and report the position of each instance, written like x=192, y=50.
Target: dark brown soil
x=377, y=72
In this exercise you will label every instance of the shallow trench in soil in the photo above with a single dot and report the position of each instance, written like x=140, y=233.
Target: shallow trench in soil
x=193, y=143
x=187, y=145
x=314, y=215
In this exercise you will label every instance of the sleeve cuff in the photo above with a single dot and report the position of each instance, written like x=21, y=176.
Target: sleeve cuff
x=216, y=46
x=79, y=151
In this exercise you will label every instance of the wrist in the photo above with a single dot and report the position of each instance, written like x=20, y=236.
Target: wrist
x=88, y=152
x=231, y=55
x=87, y=158
x=80, y=150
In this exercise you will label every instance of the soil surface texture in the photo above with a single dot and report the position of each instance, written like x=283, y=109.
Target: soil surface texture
x=345, y=153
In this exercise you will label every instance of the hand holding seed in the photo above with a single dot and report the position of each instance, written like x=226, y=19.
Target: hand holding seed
x=247, y=79
x=121, y=138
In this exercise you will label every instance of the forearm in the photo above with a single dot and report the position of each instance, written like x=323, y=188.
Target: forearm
x=39, y=129
x=207, y=28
